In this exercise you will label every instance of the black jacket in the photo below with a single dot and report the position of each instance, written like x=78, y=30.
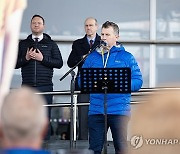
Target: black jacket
x=81, y=47
x=36, y=73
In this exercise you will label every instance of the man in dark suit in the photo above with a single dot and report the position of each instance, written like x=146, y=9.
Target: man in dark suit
x=80, y=48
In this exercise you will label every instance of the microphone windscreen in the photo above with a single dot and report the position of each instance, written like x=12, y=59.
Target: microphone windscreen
x=103, y=43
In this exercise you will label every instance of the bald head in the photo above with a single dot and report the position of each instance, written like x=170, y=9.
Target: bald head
x=23, y=116
x=91, y=18
x=91, y=27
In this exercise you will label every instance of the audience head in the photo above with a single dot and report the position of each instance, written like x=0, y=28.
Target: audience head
x=23, y=119
x=155, y=124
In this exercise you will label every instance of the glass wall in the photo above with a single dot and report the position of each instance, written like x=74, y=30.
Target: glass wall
x=168, y=20
x=66, y=17
x=168, y=54
x=168, y=65
x=65, y=24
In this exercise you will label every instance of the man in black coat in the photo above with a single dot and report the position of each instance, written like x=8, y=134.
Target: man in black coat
x=80, y=48
x=83, y=45
x=38, y=55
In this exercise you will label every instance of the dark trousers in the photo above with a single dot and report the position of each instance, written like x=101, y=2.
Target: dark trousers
x=49, y=100
x=82, y=114
x=83, y=117
x=83, y=122
x=118, y=125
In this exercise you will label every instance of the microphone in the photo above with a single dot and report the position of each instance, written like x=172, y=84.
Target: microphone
x=103, y=43
x=102, y=48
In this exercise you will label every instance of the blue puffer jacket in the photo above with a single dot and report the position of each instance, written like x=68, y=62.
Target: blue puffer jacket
x=118, y=104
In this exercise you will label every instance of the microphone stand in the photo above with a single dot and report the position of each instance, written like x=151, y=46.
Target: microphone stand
x=71, y=110
x=72, y=88
x=78, y=63
x=105, y=87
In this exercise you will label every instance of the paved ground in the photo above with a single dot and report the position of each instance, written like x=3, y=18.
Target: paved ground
x=62, y=146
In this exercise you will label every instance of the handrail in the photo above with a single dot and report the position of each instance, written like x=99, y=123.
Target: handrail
x=141, y=92
x=79, y=104
x=70, y=39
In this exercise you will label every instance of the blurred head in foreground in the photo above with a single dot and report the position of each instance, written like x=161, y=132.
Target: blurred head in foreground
x=156, y=124
x=23, y=119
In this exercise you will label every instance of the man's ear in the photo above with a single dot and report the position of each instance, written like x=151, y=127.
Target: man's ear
x=117, y=36
x=45, y=129
x=1, y=132
x=1, y=137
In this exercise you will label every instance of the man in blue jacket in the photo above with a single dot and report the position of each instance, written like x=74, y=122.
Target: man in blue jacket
x=118, y=105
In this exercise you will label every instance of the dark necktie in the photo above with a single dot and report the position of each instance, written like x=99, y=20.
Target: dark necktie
x=36, y=39
x=91, y=43
x=36, y=42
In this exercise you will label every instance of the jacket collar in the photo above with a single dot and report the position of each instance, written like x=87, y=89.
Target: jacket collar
x=84, y=39
x=117, y=48
x=46, y=37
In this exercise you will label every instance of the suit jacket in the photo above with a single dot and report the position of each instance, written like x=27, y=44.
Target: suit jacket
x=80, y=47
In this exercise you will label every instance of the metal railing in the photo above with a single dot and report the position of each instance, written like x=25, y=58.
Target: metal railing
x=141, y=93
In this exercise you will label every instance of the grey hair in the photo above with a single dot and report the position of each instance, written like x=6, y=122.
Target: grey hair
x=91, y=18
x=23, y=116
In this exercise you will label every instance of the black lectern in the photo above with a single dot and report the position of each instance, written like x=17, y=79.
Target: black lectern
x=105, y=80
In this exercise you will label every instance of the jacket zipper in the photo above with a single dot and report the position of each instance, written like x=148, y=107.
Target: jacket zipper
x=35, y=73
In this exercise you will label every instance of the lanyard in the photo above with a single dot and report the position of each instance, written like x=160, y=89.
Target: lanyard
x=103, y=59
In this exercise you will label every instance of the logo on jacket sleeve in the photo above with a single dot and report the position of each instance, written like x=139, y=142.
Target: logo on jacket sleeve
x=117, y=61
